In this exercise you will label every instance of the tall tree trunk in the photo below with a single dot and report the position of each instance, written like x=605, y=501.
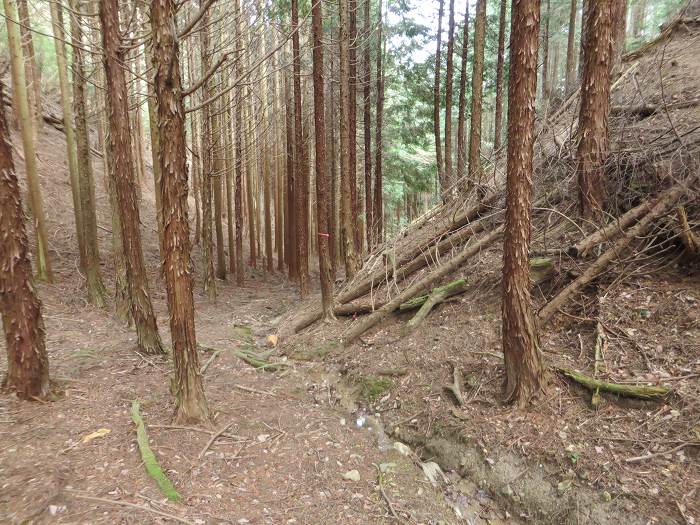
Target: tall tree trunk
x=619, y=15
x=230, y=176
x=448, y=95
x=525, y=373
x=638, y=17
x=124, y=183
x=301, y=168
x=238, y=139
x=475, y=171
x=207, y=168
x=32, y=73
x=545, y=55
x=436, y=106
x=196, y=154
x=585, y=11
x=347, y=176
x=217, y=188
x=71, y=152
x=19, y=87
x=379, y=144
x=96, y=290
x=571, y=49
x=595, y=104
x=189, y=392
x=499, y=75
x=357, y=214
x=27, y=361
x=320, y=159
x=461, y=128
x=290, y=169
x=367, y=122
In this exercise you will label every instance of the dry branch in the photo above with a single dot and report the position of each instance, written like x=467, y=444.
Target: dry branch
x=663, y=204
x=688, y=238
x=609, y=232
x=437, y=296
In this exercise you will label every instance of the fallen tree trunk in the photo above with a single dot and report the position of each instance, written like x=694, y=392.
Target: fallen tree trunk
x=428, y=302
x=450, y=289
x=609, y=232
x=688, y=238
x=426, y=282
x=638, y=391
x=663, y=204
x=647, y=110
x=408, y=264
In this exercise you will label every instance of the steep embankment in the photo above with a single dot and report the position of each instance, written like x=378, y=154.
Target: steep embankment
x=633, y=287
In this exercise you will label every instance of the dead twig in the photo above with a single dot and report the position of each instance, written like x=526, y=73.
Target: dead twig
x=214, y=437
x=128, y=504
x=651, y=455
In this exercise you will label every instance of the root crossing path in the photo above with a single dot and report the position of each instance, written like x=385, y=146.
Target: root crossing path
x=293, y=450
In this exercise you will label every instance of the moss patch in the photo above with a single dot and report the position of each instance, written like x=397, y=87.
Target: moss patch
x=372, y=387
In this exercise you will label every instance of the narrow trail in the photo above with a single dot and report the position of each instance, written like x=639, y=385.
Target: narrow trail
x=292, y=437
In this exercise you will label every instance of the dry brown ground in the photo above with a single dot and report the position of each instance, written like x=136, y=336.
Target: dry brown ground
x=282, y=460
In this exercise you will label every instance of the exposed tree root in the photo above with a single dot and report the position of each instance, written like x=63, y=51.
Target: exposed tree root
x=455, y=387
x=149, y=459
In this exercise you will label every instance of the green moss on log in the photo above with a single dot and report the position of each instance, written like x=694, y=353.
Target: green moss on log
x=450, y=289
x=149, y=458
x=638, y=391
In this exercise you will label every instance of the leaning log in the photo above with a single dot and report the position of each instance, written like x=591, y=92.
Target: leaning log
x=619, y=248
x=610, y=231
x=419, y=286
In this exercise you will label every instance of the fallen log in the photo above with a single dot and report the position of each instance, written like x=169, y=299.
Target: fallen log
x=443, y=292
x=409, y=263
x=149, y=458
x=610, y=231
x=647, y=110
x=663, y=204
x=638, y=391
x=435, y=297
x=426, y=282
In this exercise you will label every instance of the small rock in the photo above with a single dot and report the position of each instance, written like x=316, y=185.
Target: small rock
x=564, y=486
x=352, y=475
x=263, y=437
x=402, y=449
x=606, y=496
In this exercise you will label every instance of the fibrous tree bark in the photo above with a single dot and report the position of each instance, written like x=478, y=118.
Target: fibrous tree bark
x=27, y=361
x=347, y=176
x=19, y=85
x=436, y=105
x=499, y=75
x=595, y=104
x=301, y=167
x=475, y=171
x=571, y=50
x=448, y=94
x=544, y=83
x=461, y=128
x=525, y=372
x=378, y=212
x=238, y=147
x=95, y=287
x=357, y=204
x=31, y=69
x=189, y=392
x=206, y=163
x=367, y=123
x=321, y=174
x=123, y=177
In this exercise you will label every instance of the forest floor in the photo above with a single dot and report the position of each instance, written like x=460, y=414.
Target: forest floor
x=293, y=438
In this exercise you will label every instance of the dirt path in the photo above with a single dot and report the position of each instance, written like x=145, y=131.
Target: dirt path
x=290, y=446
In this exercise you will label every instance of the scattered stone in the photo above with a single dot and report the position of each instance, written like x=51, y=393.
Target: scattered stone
x=564, y=486
x=402, y=449
x=352, y=475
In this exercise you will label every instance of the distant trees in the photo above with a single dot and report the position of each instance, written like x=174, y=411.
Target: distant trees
x=27, y=361
x=474, y=168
